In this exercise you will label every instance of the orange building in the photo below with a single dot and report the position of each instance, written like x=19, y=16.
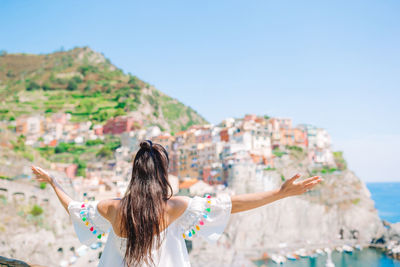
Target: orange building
x=287, y=137
x=224, y=134
x=300, y=138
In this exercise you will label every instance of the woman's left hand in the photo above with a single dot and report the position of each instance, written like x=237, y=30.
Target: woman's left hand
x=293, y=188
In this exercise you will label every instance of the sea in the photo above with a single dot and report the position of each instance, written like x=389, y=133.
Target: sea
x=387, y=201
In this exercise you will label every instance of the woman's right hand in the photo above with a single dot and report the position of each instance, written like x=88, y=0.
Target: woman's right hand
x=41, y=175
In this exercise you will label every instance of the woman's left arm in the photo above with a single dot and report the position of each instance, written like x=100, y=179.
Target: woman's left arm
x=250, y=201
x=43, y=176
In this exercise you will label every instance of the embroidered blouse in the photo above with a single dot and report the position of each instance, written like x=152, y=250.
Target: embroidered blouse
x=204, y=217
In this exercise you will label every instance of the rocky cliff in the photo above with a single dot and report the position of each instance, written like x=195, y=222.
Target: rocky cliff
x=339, y=211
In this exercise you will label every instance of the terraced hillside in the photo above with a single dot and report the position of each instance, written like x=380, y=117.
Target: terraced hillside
x=85, y=84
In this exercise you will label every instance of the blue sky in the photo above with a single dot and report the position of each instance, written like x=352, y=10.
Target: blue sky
x=335, y=64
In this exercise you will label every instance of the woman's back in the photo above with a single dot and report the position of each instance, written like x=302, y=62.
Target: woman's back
x=206, y=217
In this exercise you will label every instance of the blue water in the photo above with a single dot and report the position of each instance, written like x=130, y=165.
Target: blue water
x=365, y=258
x=387, y=200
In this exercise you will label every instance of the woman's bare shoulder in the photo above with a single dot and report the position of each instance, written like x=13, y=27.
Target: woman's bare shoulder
x=177, y=205
x=108, y=208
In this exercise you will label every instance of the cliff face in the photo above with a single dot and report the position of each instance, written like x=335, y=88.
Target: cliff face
x=34, y=227
x=338, y=211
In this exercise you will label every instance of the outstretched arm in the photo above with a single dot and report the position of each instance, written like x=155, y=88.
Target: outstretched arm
x=43, y=176
x=289, y=188
x=106, y=207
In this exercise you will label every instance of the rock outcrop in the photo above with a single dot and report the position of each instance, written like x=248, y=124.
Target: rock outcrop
x=339, y=211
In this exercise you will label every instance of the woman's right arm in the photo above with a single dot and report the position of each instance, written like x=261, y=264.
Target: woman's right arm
x=43, y=176
x=289, y=188
x=107, y=207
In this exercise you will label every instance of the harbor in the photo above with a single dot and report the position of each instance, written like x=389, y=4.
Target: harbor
x=339, y=257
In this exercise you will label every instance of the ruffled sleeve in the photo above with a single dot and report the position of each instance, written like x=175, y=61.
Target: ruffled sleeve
x=206, y=217
x=88, y=223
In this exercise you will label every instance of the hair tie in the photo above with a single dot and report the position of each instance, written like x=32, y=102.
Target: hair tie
x=151, y=147
x=151, y=143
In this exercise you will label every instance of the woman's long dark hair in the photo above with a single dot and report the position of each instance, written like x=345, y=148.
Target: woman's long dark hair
x=143, y=205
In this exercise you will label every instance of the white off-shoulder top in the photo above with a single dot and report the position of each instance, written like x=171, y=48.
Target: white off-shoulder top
x=205, y=217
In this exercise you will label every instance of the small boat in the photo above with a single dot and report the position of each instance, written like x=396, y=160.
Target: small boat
x=291, y=257
x=348, y=249
x=278, y=259
x=358, y=247
x=327, y=250
x=302, y=253
x=339, y=249
x=319, y=251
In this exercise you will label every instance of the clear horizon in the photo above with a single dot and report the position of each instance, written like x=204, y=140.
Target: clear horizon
x=333, y=65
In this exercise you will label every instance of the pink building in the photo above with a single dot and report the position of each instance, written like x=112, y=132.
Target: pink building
x=69, y=169
x=287, y=137
x=98, y=130
x=121, y=124
x=300, y=138
x=250, y=117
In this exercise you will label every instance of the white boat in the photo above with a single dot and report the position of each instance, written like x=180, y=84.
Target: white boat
x=339, y=249
x=302, y=253
x=319, y=251
x=348, y=249
x=278, y=259
x=291, y=257
x=358, y=247
x=327, y=250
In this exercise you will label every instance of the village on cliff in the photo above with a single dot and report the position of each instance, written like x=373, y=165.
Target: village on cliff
x=200, y=157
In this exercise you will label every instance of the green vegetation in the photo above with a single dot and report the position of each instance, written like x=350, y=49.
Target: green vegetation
x=356, y=201
x=94, y=142
x=70, y=148
x=283, y=178
x=32, y=85
x=81, y=170
x=11, y=128
x=19, y=145
x=269, y=169
x=36, y=210
x=104, y=152
x=20, y=148
x=5, y=178
x=324, y=170
x=278, y=153
x=295, y=148
x=75, y=150
x=339, y=160
x=87, y=69
x=29, y=156
x=42, y=185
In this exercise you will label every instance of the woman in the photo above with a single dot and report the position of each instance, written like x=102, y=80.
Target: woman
x=147, y=227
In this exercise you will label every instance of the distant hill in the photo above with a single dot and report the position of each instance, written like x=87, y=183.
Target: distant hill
x=85, y=84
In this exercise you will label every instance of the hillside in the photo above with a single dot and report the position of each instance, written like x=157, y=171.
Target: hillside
x=85, y=84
